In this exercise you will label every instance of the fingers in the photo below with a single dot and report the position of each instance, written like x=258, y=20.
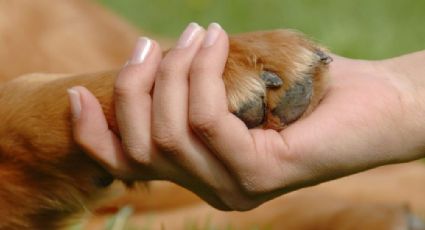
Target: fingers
x=170, y=131
x=206, y=85
x=171, y=89
x=133, y=101
x=250, y=155
x=91, y=132
x=208, y=112
x=188, y=92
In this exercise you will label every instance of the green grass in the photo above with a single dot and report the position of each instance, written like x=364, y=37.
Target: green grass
x=119, y=221
x=358, y=29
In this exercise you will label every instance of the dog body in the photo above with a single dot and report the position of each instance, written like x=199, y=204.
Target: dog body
x=41, y=186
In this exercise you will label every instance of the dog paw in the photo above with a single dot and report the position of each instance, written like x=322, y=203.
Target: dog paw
x=274, y=78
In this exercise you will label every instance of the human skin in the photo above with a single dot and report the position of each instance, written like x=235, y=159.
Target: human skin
x=371, y=115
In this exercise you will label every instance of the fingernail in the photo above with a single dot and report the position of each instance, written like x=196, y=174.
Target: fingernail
x=141, y=51
x=188, y=35
x=212, y=34
x=75, y=101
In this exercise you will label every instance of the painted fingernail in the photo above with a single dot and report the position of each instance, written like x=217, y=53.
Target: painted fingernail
x=141, y=51
x=188, y=35
x=75, y=101
x=212, y=34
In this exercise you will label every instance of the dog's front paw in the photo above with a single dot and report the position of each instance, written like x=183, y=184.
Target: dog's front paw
x=273, y=78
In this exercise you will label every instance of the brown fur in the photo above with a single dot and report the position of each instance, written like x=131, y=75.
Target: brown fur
x=36, y=135
x=285, y=52
x=40, y=184
x=362, y=201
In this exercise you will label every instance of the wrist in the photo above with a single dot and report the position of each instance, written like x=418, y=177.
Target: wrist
x=406, y=73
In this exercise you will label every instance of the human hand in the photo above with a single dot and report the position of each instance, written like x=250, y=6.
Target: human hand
x=369, y=117
x=152, y=117
x=259, y=164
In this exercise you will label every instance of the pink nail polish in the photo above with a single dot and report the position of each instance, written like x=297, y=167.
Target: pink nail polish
x=213, y=32
x=141, y=51
x=188, y=35
x=75, y=102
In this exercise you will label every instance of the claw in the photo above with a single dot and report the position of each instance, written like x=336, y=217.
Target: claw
x=271, y=79
x=324, y=58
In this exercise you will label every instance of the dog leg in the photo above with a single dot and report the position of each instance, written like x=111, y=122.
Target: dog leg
x=271, y=78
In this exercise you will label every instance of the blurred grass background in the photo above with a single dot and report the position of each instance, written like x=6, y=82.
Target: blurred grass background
x=359, y=29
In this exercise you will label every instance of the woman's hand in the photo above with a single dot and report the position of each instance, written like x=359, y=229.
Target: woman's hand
x=370, y=116
x=156, y=140
x=185, y=133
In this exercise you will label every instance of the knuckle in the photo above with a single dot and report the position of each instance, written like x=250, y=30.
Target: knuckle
x=166, y=67
x=166, y=140
x=133, y=81
x=123, y=90
x=138, y=153
x=169, y=67
x=203, y=123
x=128, y=78
x=252, y=187
x=199, y=67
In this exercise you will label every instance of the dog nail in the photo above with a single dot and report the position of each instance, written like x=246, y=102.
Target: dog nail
x=271, y=79
x=141, y=51
x=324, y=58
